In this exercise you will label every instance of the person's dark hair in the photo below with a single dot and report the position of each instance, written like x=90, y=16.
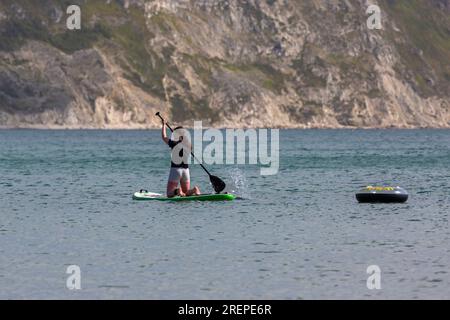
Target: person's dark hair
x=179, y=127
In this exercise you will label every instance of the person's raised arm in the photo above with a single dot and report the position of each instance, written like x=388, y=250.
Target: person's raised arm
x=164, y=133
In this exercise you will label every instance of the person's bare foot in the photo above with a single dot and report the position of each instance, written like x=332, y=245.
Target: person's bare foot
x=180, y=193
x=194, y=192
x=177, y=193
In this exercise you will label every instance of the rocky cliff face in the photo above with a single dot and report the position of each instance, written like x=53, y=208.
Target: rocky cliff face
x=248, y=63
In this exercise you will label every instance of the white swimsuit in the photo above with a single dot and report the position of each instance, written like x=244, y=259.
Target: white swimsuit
x=179, y=175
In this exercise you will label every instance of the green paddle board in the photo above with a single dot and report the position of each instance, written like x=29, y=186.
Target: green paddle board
x=150, y=196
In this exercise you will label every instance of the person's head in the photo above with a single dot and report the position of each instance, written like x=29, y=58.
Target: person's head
x=183, y=139
x=178, y=134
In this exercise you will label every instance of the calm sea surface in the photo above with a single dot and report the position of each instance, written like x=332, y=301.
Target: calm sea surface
x=65, y=199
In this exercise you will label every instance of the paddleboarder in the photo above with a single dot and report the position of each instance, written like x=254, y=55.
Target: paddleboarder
x=179, y=169
x=217, y=183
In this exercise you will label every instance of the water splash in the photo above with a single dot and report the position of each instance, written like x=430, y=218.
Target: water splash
x=239, y=185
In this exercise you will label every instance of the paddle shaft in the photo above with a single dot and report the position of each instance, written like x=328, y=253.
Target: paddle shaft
x=192, y=153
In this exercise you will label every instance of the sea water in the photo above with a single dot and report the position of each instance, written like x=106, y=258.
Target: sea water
x=299, y=234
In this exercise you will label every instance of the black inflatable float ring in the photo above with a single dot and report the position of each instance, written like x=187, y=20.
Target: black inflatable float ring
x=382, y=195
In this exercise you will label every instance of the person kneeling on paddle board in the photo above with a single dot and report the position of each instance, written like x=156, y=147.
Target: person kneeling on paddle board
x=179, y=171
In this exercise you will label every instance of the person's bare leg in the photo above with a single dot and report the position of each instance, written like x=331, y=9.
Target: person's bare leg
x=171, y=187
x=185, y=185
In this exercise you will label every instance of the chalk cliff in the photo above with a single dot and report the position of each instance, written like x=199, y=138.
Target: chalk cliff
x=230, y=63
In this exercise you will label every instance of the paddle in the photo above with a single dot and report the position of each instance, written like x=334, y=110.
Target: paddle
x=216, y=182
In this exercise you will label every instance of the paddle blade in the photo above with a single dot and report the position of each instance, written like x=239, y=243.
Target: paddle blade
x=217, y=184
